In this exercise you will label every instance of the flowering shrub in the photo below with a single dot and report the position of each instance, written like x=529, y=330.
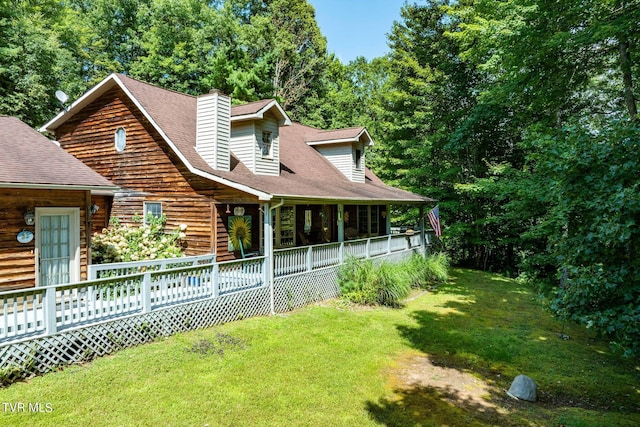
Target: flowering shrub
x=120, y=243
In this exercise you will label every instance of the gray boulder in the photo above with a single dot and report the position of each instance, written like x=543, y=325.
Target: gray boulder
x=523, y=388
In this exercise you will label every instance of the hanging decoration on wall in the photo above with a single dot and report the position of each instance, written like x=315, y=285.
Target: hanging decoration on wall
x=25, y=236
x=240, y=233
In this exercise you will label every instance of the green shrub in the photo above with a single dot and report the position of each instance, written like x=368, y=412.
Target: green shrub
x=361, y=282
x=391, y=284
x=121, y=243
x=425, y=271
x=354, y=277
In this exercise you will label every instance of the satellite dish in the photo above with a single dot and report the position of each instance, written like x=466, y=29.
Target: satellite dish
x=62, y=97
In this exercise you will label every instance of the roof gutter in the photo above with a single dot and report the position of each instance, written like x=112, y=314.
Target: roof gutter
x=92, y=188
x=361, y=200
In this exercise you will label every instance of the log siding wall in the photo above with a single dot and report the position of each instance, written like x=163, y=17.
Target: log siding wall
x=147, y=171
x=17, y=260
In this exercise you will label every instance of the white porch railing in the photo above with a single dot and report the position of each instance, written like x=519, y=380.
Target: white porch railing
x=308, y=258
x=132, y=288
x=116, y=269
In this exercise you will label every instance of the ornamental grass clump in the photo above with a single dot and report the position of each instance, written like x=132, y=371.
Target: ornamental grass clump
x=362, y=282
x=429, y=270
x=122, y=243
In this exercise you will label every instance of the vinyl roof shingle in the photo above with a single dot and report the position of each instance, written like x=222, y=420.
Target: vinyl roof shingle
x=336, y=134
x=29, y=158
x=305, y=173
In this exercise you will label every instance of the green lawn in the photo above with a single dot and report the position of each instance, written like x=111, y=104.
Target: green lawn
x=327, y=365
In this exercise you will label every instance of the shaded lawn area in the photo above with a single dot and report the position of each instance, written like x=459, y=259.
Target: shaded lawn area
x=331, y=365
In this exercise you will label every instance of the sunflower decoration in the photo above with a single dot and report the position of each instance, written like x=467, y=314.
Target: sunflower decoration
x=239, y=233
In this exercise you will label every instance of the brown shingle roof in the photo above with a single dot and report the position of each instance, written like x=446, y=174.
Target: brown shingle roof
x=305, y=173
x=336, y=134
x=249, y=108
x=29, y=158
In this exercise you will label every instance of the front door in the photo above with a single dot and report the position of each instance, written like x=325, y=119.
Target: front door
x=58, y=245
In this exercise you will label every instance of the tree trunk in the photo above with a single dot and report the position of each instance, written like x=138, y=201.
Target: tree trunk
x=625, y=64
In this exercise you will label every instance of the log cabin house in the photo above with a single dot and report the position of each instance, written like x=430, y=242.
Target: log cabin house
x=45, y=209
x=243, y=179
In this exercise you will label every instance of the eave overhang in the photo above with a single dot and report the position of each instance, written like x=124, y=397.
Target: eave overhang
x=278, y=111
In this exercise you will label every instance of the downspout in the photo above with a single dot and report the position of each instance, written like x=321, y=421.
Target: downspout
x=269, y=250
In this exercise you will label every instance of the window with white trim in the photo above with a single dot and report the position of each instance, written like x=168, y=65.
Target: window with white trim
x=266, y=144
x=358, y=158
x=120, y=139
x=152, y=210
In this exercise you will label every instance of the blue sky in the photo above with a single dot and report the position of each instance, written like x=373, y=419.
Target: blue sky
x=356, y=27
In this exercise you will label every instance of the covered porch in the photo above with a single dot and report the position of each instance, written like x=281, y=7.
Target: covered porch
x=290, y=223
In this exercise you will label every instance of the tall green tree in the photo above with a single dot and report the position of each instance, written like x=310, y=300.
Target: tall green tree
x=34, y=60
x=350, y=95
x=286, y=42
x=567, y=71
x=439, y=137
x=176, y=50
x=113, y=31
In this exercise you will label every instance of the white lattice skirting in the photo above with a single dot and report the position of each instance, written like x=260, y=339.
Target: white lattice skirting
x=40, y=355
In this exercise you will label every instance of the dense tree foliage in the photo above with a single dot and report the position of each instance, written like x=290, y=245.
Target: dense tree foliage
x=565, y=200
x=34, y=57
x=519, y=116
x=248, y=49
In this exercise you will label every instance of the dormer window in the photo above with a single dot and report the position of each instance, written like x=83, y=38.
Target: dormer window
x=358, y=159
x=266, y=144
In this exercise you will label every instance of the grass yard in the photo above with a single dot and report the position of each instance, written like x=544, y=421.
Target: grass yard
x=444, y=359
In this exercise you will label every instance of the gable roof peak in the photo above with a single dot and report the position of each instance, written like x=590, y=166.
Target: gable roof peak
x=336, y=136
x=256, y=110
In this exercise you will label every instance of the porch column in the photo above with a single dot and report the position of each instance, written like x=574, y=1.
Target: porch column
x=388, y=219
x=340, y=223
x=422, y=230
x=268, y=252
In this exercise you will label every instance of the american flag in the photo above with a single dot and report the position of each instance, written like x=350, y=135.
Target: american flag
x=434, y=219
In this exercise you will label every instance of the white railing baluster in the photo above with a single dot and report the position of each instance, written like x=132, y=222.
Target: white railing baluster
x=51, y=326
x=5, y=318
x=145, y=291
x=25, y=324
x=215, y=283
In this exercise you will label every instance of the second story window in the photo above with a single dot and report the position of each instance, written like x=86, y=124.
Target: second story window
x=358, y=159
x=120, y=139
x=266, y=144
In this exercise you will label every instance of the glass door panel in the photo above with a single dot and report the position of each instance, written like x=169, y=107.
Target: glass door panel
x=55, y=249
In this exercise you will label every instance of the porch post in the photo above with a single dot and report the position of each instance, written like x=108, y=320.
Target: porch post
x=268, y=253
x=340, y=223
x=388, y=218
x=422, y=230
x=49, y=306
